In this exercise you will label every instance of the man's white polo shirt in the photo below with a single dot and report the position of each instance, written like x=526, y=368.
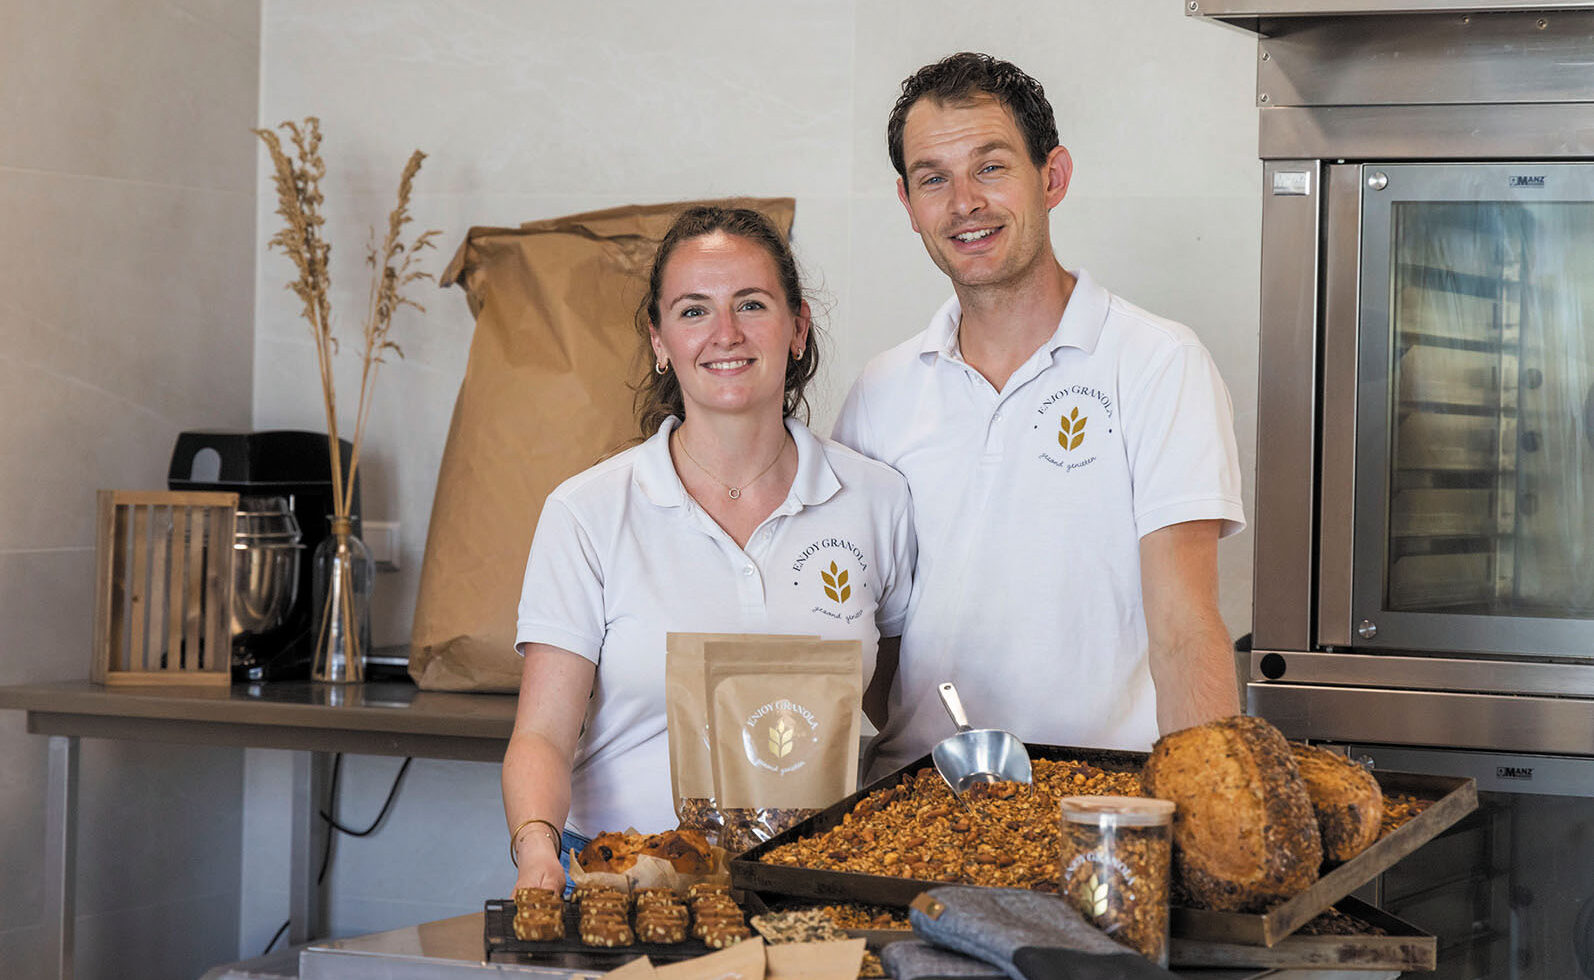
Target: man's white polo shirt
x=624, y=555
x=1030, y=504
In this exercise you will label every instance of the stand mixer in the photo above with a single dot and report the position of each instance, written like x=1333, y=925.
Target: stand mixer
x=284, y=482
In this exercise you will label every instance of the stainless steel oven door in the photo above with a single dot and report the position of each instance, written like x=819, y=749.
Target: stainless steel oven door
x=1474, y=412
x=1509, y=892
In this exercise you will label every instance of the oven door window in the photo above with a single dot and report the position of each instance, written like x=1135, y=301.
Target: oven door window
x=1508, y=892
x=1476, y=415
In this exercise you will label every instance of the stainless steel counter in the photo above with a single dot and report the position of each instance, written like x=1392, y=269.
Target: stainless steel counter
x=315, y=720
x=370, y=719
x=452, y=948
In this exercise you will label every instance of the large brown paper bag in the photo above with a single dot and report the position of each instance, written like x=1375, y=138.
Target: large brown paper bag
x=547, y=393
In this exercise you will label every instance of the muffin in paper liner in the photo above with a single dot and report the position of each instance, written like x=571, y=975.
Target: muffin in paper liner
x=650, y=871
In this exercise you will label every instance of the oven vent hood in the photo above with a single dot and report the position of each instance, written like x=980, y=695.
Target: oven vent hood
x=1418, y=79
x=1265, y=17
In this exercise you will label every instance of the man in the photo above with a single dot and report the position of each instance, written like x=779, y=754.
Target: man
x=1071, y=457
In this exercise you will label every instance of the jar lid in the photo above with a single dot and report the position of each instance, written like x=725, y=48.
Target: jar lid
x=1120, y=811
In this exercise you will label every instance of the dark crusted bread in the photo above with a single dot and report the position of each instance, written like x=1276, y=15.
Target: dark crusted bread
x=1244, y=834
x=1346, y=798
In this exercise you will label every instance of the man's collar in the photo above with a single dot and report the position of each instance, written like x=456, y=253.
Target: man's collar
x=1080, y=325
x=654, y=473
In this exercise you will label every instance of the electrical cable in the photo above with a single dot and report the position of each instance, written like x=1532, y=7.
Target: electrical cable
x=392, y=794
x=332, y=822
x=276, y=936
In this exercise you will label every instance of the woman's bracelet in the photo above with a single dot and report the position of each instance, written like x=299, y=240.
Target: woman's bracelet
x=552, y=832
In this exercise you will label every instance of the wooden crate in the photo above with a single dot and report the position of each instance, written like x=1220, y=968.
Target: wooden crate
x=163, y=589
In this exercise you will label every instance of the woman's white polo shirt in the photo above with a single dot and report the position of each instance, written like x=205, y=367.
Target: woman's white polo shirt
x=623, y=555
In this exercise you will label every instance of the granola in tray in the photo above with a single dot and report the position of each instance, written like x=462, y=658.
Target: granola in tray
x=854, y=915
x=916, y=829
x=1400, y=808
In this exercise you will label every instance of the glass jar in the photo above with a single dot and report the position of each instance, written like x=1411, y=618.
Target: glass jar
x=341, y=593
x=1116, y=852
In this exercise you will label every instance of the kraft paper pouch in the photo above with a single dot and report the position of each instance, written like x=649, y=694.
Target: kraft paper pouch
x=783, y=731
x=686, y=718
x=547, y=393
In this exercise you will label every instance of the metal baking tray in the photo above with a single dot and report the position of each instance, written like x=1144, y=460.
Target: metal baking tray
x=1452, y=798
x=842, y=886
x=1402, y=947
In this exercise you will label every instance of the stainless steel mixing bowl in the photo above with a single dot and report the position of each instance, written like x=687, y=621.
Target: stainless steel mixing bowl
x=267, y=549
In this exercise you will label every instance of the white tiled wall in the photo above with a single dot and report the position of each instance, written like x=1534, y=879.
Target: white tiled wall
x=536, y=109
x=127, y=241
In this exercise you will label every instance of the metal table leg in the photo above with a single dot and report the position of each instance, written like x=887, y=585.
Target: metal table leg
x=60, y=851
x=307, y=904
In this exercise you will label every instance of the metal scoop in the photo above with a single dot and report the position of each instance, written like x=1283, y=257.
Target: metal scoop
x=977, y=755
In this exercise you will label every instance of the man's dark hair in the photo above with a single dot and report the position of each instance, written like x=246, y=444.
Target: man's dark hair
x=966, y=76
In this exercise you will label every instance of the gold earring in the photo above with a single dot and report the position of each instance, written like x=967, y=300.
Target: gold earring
x=661, y=367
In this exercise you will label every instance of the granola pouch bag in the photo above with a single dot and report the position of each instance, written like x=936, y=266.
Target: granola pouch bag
x=686, y=715
x=783, y=726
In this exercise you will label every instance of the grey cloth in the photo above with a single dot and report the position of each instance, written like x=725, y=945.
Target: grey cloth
x=1027, y=935
x=915, y=959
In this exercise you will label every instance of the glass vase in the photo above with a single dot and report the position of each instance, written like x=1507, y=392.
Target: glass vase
x=341, y=593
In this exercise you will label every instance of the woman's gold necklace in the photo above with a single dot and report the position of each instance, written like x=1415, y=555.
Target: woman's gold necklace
x=735, y=493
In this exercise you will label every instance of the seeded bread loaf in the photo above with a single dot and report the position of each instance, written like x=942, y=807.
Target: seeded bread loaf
x=1346, y=798
x=1245, y=837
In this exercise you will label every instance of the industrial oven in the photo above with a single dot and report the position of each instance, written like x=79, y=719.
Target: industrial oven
x=1424, y=592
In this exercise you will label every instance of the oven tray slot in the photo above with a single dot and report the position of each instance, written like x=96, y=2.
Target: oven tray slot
x=1453, y=799
x=1403, y=947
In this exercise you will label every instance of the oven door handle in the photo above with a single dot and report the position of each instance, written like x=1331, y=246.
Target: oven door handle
x=1588, y=416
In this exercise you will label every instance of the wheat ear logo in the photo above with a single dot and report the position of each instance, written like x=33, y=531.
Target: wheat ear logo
x=1072, y=432
x=836, y=586
x=1096, y=895
x=781, y=739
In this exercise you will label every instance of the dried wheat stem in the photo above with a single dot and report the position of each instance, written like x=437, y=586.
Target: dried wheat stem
x=299, y=200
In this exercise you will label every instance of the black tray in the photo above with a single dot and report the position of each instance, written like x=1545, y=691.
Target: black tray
x=1453, y=799
x=498, y=936
x=843, y=886
x=1402, y=947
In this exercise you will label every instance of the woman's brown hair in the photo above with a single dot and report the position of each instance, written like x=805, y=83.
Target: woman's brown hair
x=659, y=395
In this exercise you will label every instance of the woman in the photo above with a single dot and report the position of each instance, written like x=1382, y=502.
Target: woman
x=703, y=528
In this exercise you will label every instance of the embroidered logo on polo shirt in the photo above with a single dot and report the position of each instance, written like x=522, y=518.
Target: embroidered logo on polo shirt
x=839, y=562
x=1071, y=409
x=1072, y=434
x=836, y=586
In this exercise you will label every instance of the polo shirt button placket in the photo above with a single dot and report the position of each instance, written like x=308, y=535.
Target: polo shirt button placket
x=752, y=588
